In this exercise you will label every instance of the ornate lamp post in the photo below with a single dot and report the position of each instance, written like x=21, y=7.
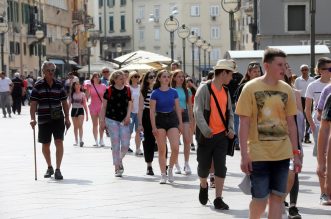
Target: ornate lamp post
x=209, y=49
x=183, y=32
x=204, y=47
x=3, y=30
x=171, y=25
x=67, y=40
x=89, y=45
x=40, y=36
x=192, y=39
x=231, y=7
x=199, y=43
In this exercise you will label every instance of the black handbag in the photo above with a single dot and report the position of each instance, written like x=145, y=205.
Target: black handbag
x=231, y=142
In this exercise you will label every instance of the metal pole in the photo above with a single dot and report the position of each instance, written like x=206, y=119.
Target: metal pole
x=312, y=36
x=209, y=60
x=89, y=62
x=2, y=52
x=68, y=67
x=184, y=65
x=231, y=16
x=199, y=54
x=255, y=25
x=172, y=45
x=204, y=59
x=39, y=54
x=193, y=62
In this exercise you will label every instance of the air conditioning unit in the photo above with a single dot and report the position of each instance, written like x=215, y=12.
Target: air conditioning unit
x=213, y=18
x=138, y=20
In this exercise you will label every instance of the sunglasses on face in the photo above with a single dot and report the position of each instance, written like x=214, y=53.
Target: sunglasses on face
x=151, y=77
x=51, y=70
x=105, y=71
x=136, y=76
x=304, y=69
x=329, y=69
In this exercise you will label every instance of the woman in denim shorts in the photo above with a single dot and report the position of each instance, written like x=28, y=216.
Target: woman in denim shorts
x=166, y=120
x=178, y=82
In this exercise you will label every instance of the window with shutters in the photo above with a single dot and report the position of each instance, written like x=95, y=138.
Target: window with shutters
x=296, y=17
x=214, y=10
x=195, y=10
x=122, y=23
x=111, y=23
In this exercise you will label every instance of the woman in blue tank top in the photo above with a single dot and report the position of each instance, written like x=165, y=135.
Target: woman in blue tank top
x=166, y=120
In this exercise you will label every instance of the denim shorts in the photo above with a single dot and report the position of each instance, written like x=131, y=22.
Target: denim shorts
x=133, y=122
x=269, y=177
x=166, y=120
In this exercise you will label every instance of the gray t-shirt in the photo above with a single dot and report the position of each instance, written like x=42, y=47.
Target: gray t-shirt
x=77, y=100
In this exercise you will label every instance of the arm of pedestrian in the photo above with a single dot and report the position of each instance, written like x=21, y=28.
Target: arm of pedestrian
x=103, y=113
x=152, y=105
x=246, y=163
x=85, y=107
x=308, y=114
x=140, y=112
x=323, y=136
x=33, y=110
x=293, y=134
x=128, y=113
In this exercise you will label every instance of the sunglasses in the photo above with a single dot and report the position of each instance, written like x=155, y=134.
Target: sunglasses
x=136, y=76
x=305, y=69
x=105, y=71
x=151, y=77
x=329, y=69
x=51, y=70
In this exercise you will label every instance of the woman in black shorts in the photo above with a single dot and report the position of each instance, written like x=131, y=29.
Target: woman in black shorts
x=78, y=102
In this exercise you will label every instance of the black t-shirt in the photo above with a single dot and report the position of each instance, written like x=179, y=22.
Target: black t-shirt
x=18, y=85
x=117, y=104
x=234, y=84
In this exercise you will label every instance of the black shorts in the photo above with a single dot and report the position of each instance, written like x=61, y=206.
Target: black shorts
x=185, y=117
x=166, y=120
x=75, y=112
x=54, y=127
x=214, y=148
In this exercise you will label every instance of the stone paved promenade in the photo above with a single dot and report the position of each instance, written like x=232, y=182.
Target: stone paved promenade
x=90, y=190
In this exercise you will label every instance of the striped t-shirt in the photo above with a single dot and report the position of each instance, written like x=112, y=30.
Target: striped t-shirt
x=48, y=97
x=147, y=99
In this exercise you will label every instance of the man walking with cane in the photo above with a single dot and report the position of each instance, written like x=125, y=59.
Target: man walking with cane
x=49, y=100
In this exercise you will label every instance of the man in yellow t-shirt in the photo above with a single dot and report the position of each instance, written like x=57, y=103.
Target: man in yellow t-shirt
x=268, y=134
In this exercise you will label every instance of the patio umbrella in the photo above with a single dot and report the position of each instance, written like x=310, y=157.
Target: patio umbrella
x=142, y=57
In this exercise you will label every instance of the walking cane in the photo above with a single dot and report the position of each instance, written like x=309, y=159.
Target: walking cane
x=35, y=158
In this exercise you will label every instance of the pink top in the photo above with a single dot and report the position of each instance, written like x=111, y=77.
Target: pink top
x=95, y=105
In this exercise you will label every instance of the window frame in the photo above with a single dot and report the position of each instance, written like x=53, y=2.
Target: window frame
x=195, y=6
x=306, y=4
x=211, y=10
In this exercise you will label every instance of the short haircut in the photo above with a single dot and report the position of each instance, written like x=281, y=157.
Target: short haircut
x=322, y=62
x=270, y=54
x=218, y=72
x=115, y=75
x=47, y=64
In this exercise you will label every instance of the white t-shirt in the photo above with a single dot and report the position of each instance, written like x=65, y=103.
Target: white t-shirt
x=4, y=84
x=301, y=84
x=135, y=93
x=313, y=92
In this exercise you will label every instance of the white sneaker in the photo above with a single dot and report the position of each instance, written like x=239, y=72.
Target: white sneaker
x=177, y=171
x=170, y=175
x=139, y=152
x=101, y=143
x=187, y=169
x=163, y=179
x=324, y=199
x=96, y=143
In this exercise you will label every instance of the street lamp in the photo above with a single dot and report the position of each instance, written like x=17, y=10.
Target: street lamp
x=171, y=25
x=231, y=7
x=209, y=49
x=192, y=39
x=39, y=34
x=89, y=45
x=199, y=43
x=3, y=30
x=183, y=32
x=204, y=47
x=312, y=9
x=67, y=40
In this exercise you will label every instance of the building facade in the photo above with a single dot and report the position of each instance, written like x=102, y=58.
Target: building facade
x=205, y=18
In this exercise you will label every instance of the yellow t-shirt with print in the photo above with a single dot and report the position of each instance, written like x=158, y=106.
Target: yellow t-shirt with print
x=267, y=107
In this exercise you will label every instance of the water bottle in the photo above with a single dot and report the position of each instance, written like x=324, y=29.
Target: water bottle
x=141, y=134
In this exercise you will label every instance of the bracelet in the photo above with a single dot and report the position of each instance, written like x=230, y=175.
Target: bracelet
x=296, y=152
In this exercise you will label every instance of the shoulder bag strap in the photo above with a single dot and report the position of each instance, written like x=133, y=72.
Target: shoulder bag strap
x=218, y=106
x=97, y=92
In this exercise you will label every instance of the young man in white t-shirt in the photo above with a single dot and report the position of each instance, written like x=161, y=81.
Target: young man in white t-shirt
x=6, y=86
x=313, y=94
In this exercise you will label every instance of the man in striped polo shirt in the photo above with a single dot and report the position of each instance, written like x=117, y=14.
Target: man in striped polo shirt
x=49, y=101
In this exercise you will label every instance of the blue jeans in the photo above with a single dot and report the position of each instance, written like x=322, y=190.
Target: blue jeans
x=133, y=122
x=269, y=177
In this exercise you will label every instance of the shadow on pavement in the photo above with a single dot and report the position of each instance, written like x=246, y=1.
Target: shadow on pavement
x=312, y=211
x=81, y=182
x=234, y=213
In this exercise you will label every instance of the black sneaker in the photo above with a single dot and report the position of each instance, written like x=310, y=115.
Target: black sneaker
x=293, y=213
x=150, y=171
x=49, y=172
x=203, y=195
x=307, y=141
x=220, y=205
x=58, y=175
x=212, y=182
x=286, y=203
x=81, y=144
x=236, y=147
x=130, y=150
x=192, y=147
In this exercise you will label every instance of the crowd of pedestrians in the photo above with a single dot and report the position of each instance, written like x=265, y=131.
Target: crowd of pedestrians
x=266, y=113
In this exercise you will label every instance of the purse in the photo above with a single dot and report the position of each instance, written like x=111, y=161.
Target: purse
x=231, y=142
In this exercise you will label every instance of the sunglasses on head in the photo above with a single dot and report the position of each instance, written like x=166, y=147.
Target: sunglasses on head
x=329, y=69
